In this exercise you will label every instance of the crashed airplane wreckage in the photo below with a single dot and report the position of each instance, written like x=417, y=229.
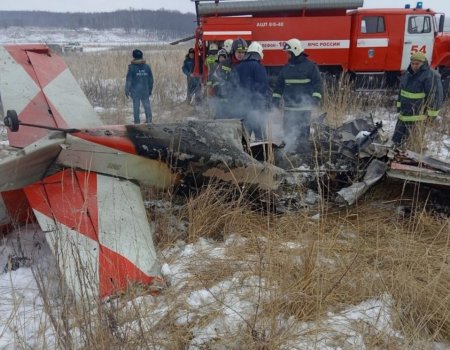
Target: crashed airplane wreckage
x=357, y=151
x=80, y=179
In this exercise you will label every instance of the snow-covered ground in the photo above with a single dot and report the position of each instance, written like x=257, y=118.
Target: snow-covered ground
x=25, y=316
x=25, y=323
x=86, y=37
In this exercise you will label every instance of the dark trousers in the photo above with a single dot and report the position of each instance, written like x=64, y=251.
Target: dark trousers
x=218, y=107
x=193, y=88
x=255, y=121
x=402, y=132
x=296, y=126
x=136, y=109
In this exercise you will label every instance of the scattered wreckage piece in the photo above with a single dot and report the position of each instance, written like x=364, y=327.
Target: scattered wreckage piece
x=414, y=167
x=353, y=149
x=360, y=145
x=338, y=160
x=375, y=171
x=189, y=153
x=354, y=159
x=351, y=139
x=410, y=157
x=418, y=174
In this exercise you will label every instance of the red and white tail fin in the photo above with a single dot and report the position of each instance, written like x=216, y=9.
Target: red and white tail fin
x=41, y=89
x=98, y=229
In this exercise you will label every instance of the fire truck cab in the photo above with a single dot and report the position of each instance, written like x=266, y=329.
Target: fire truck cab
x=373, y=45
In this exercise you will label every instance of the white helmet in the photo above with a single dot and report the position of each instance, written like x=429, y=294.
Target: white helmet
x=256, y=47
x=294, y=46
x=227, y=45
x=213, y=46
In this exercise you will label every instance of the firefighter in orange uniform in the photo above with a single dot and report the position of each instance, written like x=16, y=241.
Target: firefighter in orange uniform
x=420, y=97
x=301, y=86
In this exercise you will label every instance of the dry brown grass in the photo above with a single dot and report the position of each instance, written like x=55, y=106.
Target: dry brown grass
x=341, y=99
x=219, y=211
x=342, y=259
x=101, y=76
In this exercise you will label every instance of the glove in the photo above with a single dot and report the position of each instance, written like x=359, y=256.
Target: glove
x=316, y=101
x=276, y=102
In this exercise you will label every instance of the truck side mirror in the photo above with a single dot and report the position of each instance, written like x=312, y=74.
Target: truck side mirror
x=441, y=23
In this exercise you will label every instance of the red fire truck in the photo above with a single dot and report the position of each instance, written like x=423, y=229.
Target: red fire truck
x=373, y=45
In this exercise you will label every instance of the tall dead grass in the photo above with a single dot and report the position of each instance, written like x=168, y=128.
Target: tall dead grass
x=101, y=76
x=342, y=99
x=341, y=259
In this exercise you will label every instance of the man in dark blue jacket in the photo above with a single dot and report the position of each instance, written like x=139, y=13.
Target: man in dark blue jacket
x=252, y=91
x=419, y=99
x=193, y=82
x=139, y=86
x=300, y=85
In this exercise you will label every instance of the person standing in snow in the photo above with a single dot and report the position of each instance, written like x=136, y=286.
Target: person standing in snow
x=301, y=86
x=211, y=64
x=211, y=57
x=218, y=79
x=254, y=90
x=139, y=85
x=238, y=50
x=193, y=82
x=419, y=99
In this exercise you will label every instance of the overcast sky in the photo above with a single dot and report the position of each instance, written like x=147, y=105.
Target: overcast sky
x=180, y=5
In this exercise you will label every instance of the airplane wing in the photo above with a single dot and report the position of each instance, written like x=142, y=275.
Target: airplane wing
x=98, y=230
x=38, y=85
x=23, y=167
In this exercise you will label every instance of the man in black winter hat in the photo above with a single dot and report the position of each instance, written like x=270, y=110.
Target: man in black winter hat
x=139, y=86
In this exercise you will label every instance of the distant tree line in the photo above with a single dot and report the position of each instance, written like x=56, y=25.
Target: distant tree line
x=129, y=20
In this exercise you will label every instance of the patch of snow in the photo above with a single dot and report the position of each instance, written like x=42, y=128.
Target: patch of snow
x=24, y=321
x=315, y=217
x=89, y=39
x=230, y=302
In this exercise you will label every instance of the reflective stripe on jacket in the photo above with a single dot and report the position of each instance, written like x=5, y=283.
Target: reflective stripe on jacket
x=299, y=82
x=420, y=95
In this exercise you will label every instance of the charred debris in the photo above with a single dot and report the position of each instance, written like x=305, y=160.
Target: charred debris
x=342, y=165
